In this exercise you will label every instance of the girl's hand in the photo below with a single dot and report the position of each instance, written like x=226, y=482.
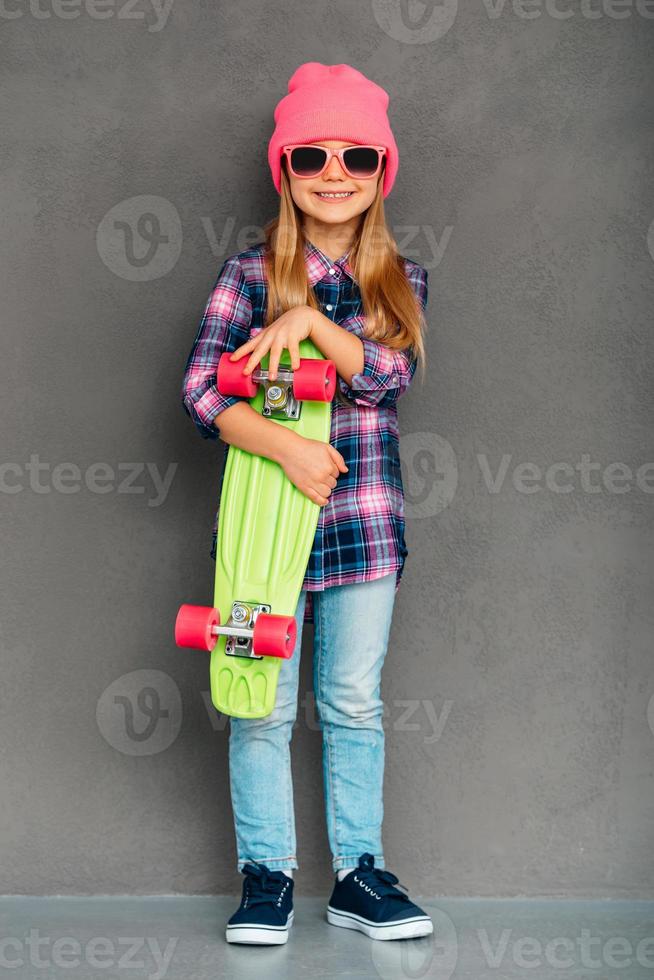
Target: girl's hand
x=285, y=332
x=313, y=467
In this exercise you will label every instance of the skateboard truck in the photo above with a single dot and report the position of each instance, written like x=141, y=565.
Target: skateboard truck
x=251, y=631
x=313, y=380
x=279, y=400
x=239, y=629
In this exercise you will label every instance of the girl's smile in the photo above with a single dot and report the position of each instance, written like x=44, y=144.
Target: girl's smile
x=334, y=197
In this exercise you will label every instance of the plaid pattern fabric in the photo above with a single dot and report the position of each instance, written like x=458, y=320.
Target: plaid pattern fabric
x=360, y=532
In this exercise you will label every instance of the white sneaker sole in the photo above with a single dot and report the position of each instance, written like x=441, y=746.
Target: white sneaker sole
x=419, y=925
x=259, y=935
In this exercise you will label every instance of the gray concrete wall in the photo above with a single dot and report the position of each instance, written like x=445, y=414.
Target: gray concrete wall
x=518, y=685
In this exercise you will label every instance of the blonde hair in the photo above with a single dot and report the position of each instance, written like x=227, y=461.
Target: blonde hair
x=393, y=314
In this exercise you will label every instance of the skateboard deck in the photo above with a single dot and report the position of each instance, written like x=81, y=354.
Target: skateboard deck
x=266, y=529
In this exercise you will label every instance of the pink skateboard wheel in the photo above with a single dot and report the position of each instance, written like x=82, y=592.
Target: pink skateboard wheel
x=231, y=380
x=193, y=627
x=314, y=380
x=274, y=636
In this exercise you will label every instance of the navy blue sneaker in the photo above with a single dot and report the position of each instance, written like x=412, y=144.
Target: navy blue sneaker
x=367, y=899
x=266, y=910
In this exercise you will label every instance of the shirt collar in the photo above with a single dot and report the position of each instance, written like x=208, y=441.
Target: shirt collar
x=318, y=264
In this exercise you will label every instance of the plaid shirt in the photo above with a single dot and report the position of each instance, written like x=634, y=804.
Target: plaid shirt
x=360, y=532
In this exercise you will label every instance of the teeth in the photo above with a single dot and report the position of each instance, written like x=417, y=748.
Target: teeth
x=327, y=194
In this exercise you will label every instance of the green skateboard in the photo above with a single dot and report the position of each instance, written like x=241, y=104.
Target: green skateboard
x=266, y=529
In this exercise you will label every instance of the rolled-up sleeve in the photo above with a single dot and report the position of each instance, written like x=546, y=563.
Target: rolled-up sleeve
x=386, y=373
x=224, y=326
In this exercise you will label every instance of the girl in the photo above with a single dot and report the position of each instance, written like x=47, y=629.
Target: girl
x=328, y=269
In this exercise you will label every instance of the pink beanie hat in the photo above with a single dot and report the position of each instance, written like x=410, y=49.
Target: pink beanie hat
x=332, y=102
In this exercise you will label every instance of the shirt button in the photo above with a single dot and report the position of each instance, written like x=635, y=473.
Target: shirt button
x=332, y=272
x=394, y=379
x=329, y=307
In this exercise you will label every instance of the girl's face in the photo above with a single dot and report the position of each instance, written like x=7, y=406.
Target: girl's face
x=305, y=191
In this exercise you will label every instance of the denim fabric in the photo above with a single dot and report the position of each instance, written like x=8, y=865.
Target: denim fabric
x=352, y=626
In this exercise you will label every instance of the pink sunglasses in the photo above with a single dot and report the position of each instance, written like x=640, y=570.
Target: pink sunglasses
x=358, y=161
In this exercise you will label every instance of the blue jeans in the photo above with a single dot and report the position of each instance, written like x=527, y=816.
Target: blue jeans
x=351, y=628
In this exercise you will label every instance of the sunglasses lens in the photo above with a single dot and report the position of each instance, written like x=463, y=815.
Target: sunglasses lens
x=307, y=161
x=361, y=161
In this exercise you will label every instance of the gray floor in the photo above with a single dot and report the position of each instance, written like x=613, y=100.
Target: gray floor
x=177, y=938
